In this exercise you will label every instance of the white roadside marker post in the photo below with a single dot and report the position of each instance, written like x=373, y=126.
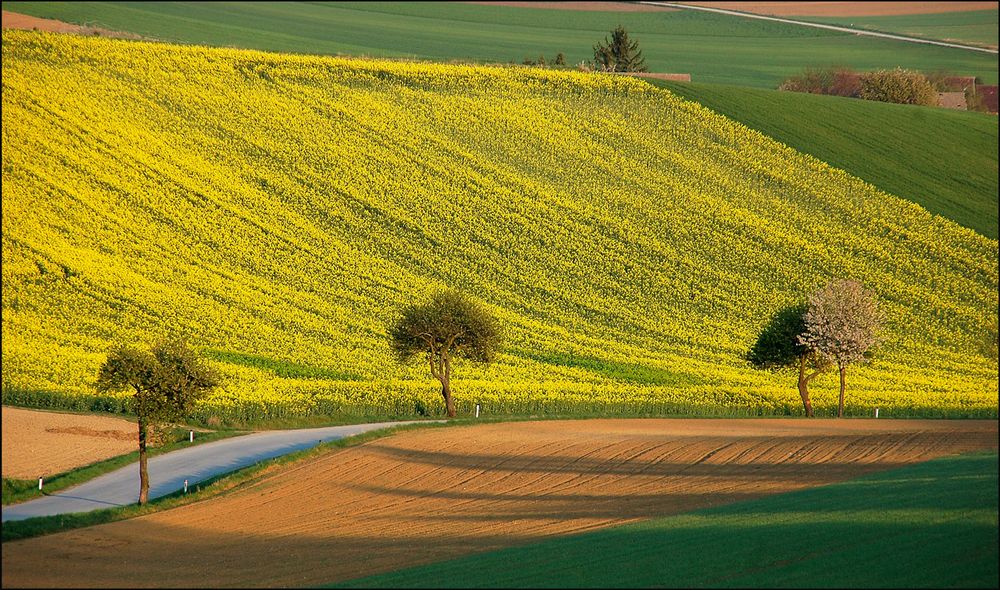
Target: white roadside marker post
x=185, y=486
x=477, y=410
x=876, y=412
x=190, y=436
x=39, y=483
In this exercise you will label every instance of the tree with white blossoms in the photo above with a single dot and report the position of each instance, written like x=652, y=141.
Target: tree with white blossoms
x=842, y=325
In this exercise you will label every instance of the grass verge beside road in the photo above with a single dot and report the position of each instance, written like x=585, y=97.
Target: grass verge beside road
x=33, y=527
x=975, y=27
x=21, y=490
x=933, y=524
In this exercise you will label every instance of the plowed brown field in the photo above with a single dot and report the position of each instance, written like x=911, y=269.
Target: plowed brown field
x=428, y=495
x=46, y=443
x=15, y=20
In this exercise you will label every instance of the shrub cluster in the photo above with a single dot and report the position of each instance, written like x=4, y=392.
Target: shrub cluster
x=836, y=81
x=897, y=85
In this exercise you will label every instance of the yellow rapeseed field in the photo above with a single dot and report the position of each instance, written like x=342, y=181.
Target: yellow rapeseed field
x=281, y=209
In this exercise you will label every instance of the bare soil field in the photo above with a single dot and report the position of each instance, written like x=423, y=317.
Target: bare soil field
x=37, y=443
x=594, y=6
x=13, y=20
x=427, y=495
x=847, y=8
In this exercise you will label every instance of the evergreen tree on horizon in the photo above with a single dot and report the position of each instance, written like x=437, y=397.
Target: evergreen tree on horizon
x=619, y=54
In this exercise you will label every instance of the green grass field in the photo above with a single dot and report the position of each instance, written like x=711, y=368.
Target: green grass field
x=944, y=160
x=975, y=27
x=930, y=525
x=712, y=48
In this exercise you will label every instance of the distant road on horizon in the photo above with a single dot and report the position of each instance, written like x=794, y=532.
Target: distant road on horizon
x=821, y=26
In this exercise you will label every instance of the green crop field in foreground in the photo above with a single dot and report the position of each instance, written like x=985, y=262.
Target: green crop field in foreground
x=946, y=161
x=711, y=47
x=930, y=525
x=976, y=27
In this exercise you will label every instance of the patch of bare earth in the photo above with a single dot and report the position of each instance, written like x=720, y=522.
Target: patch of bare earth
x=847, y=8
x=592, y=6
x=428, y=495
x=14, y=20
x=37, y=443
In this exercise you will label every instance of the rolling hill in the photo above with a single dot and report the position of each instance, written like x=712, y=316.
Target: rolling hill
x=281, y=209
x=943, y=160
x=713, y=48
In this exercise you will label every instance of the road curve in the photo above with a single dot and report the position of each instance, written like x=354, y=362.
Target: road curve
x=195, y=464
x=822, y=26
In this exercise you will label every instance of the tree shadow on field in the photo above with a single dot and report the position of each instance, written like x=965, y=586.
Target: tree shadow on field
x=764, y=458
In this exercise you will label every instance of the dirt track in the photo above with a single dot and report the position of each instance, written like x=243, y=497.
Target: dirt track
x=847, y=8
x=428, y=495
x=46, y=443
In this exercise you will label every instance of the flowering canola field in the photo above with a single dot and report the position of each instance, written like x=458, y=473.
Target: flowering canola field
x=281, y=209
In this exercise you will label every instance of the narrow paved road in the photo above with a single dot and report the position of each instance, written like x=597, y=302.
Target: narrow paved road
x=822, y=26
x=196, y=464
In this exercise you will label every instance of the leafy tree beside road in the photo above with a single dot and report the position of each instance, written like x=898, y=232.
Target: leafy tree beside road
x=165, y=382
x=449, y=326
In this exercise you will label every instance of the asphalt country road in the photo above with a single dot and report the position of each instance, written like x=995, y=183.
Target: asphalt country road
x=196, y=464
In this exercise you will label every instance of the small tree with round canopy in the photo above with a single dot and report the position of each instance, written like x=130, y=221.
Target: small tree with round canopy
x=778, y=346
x=165, y=383
x=448, y=326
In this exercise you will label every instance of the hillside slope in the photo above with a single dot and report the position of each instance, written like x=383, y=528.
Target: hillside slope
x=282, y=209
x=943, y=160
x=715, y=48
